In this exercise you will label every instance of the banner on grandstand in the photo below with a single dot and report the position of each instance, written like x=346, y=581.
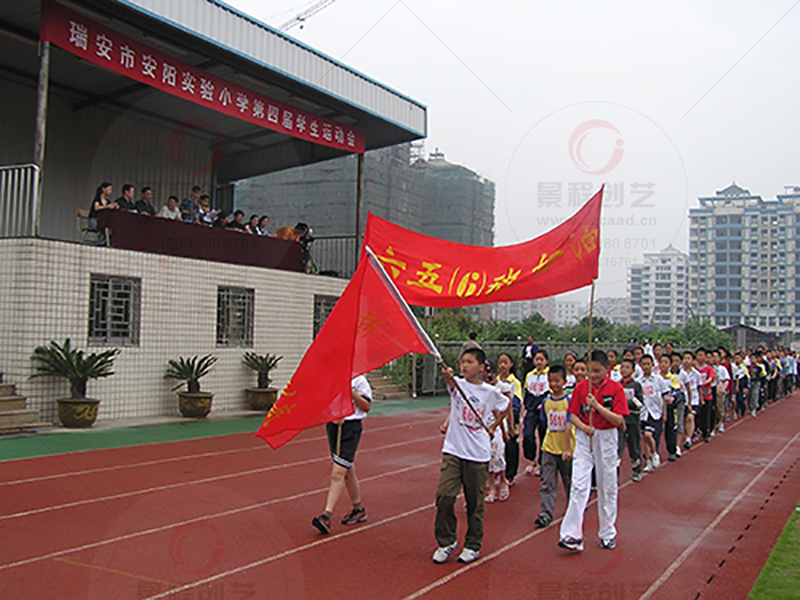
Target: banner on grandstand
x=109, y=49
x=433, y=272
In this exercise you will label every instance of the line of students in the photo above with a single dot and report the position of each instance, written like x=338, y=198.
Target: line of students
x=588, y=414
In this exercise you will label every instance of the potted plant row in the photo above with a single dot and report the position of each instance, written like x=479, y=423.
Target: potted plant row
x=261, y=398
x=192, y=403
x=66, y=362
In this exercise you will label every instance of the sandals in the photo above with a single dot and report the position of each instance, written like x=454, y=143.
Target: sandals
x=529, y=470
x=504, y=492
x=490, y=497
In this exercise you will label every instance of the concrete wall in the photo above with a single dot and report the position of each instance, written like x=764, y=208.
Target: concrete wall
x=44, y=295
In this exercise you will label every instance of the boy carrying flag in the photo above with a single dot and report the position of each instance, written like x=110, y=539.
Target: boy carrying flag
x=466, y=454
x=597, y=415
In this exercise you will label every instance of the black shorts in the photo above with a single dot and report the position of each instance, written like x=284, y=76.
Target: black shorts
x=351, y=435
x=654, y=426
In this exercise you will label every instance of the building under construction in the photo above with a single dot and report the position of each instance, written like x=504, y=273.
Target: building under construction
x=431, y=196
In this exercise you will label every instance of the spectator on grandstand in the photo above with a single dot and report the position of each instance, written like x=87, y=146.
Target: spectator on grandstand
x=262, y=225
x=145, y=204
x=252, y=225
x=238, y=221
x=125, y=202
x=101, y=201
x=222, y=220
x=189, y=205
x=170, y=209
x=205, y=216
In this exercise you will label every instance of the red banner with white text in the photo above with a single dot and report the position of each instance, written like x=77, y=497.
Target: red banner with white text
x=433, y=272
x=116, y=52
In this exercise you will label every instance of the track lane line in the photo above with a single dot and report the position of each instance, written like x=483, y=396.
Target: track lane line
x=172, y=486
x=260, y=447
x=225, y=513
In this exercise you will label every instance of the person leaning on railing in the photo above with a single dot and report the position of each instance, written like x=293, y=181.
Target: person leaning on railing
x=206, y=216
x=101, y=201
x=170, y=209
x=145, y=205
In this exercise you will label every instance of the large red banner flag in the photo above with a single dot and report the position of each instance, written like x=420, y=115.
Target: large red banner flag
x=433, y=272
x=369, y=326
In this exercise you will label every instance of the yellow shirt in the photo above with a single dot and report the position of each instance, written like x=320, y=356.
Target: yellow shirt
x=517, y=385
x=555, y=440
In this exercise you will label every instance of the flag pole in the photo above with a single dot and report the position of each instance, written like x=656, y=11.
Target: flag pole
x=412, y=319
x=591, y=349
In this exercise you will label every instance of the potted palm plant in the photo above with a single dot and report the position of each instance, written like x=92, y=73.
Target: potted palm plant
x=192, y=403
x=261, y=398
x=69, y=363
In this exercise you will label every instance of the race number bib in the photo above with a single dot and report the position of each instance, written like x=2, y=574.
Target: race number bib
x=537, y=388
x=556, y=420
x=467, y=418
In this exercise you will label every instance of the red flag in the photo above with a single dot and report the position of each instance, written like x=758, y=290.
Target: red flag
x=369, y=326
x=433, y=272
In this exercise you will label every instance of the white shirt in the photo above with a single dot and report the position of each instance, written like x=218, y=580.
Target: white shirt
x=654, y=388
x=638, y=374
x=615, y=374
x=692, y=382
x=170, y=214
x=466, y=438
x=648, y=349
x=722, y=377
x=361, y=386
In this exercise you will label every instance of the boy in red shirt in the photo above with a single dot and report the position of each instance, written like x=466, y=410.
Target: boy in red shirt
x=596, y=415
x=707, y=376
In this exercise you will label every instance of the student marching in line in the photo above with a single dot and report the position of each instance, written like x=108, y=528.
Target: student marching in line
x=683, y=401
x=627, y=354
x=496, y=484
x=632, y=434
x=558, y=446
x=505, y=372
x=343, y=438
x=569, y=362
x=723, y=391
x=655, y=390
x=613, y=367
x=672, y=400
x=580, y=370
x=535, y=392
x=690, y=379
x=707, y=379
x=597, y=416
x=741, y=380
x=465, y=456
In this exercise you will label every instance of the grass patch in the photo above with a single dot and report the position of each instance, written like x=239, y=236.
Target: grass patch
x=780, y=577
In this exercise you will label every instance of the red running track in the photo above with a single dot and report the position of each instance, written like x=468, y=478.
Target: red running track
x=226, y=517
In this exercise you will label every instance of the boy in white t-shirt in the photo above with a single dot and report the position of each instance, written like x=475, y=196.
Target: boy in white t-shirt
x=691, y=380
x=465, y=456
x=655, y=390
x=343, y=438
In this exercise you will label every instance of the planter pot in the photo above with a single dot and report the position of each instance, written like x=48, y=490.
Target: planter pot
x=261, y=399
x=77, y=413
x=194, y=405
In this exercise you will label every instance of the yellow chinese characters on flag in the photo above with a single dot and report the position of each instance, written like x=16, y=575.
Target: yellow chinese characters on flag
x=433, y=272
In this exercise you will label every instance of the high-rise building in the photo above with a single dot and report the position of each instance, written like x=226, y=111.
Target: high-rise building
x=613, y=310
x=516, y=311
x=659, y=289
x=745, y=259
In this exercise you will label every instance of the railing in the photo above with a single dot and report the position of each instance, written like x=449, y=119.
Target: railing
x=19, y=214
x=334, y=255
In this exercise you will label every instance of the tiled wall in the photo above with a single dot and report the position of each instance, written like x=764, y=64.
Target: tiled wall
x=44, y=295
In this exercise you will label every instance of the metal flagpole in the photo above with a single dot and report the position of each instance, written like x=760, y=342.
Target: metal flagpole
x=409, y=314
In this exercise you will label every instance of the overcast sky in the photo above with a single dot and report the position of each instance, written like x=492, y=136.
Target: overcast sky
x=508, y=83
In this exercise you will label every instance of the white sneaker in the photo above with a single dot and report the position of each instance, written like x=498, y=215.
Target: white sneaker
x=619, y=462
x=722, y=427
x=678, y=452
x=443, y=553
x=467, y=555
x=656, y=461
x=753, y=413
x=648, y=468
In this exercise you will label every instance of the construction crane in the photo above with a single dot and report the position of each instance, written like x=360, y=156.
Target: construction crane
x=301, y=18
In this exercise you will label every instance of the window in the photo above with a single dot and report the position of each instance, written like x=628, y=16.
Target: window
x=721, y=257
x=735, y=245
x=734, y=270
x=114, y=307
x=721, y=295
x=323, y=305
x=736, y=283
x=737, y=295
x=235, y=316
x=735, y=219
x=721, y=232
x=721, y=282
x=721, y=221
x=722, y=245
x=720, y=270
